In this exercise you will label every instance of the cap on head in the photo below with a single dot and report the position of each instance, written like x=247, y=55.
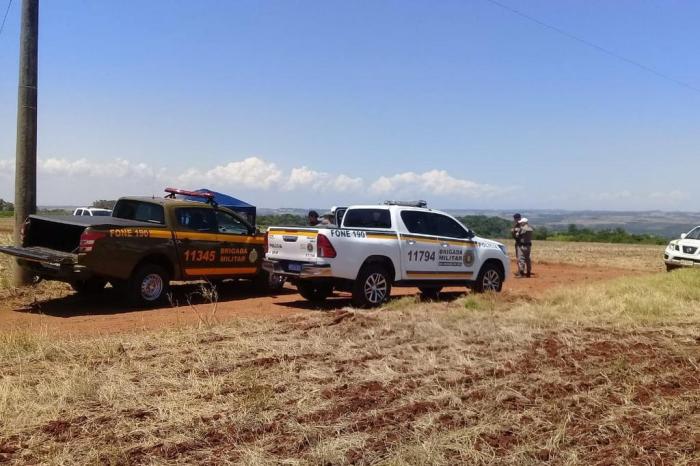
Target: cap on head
x=522, y=220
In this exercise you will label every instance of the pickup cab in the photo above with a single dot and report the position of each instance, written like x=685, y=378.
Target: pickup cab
x=376, y=247
x=146, y=244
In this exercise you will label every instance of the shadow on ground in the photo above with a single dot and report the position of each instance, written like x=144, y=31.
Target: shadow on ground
x=341, y=300
x=109, y=302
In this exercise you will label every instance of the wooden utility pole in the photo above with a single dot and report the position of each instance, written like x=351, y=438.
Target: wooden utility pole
x=25, y=167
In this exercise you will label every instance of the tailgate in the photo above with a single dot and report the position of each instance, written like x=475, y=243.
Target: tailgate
x=292, y=244
x=39, y=254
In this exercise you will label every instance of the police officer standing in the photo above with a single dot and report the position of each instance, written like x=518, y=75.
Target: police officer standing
x=514, y=234
x=523, y=239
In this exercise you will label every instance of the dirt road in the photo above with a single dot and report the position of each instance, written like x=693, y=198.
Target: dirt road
x=69, y=314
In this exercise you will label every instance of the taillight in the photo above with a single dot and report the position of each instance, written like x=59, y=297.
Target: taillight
x=88, y=238
x=324, y=248
x=266, y=245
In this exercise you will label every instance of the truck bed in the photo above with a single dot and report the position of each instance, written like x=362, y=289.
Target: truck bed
x=62, y=232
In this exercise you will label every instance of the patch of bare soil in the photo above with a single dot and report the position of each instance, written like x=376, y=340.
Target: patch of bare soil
x=56, y=310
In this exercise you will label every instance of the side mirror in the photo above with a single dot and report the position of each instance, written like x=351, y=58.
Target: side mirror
x=683, y=235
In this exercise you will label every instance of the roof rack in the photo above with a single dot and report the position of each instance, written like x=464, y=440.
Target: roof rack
x=408, y=203
x=172, y=192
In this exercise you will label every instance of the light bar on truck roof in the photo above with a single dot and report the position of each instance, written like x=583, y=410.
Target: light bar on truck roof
x=184, y=192
x=208, y=197
x=408, y=203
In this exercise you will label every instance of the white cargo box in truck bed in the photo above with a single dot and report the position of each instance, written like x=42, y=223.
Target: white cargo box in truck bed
x=378, y=246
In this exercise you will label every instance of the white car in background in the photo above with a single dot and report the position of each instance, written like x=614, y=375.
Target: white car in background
x=92, y=212
x=684, y=252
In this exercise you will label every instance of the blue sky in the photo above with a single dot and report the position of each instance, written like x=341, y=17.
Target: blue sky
x=292, y=103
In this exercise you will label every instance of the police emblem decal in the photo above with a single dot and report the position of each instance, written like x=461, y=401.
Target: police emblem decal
x=253, y=256
x=468, y=258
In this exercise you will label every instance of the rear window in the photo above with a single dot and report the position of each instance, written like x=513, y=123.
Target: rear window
x=140, y=211
x=367, y=218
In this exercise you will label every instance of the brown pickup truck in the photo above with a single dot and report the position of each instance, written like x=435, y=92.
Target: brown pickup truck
x=146, y=244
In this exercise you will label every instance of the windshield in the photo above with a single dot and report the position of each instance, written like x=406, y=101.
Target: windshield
x=694, y=234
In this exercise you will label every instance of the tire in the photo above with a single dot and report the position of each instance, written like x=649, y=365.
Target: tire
x=148, y=286
x=670, y=268
x=90, y=286
x=372, y=287
x=430, y=292
x=314, y=291
x=490, y=278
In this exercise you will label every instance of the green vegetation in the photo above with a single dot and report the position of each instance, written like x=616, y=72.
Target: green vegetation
x=616, y=235
x=7, y=209
x=104, y=204
x=283, y=220
x=496, y=227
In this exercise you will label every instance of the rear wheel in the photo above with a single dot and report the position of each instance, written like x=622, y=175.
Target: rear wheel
x=148, y=285
x=490, y=278
x=372, y=287
x=430, y=292
x=89, y=286
x=314, y=291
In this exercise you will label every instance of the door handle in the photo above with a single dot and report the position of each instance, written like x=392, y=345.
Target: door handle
x=411, y=242
x=444, y=245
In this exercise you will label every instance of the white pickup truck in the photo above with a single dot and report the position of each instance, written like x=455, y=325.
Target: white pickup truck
x=377, y=246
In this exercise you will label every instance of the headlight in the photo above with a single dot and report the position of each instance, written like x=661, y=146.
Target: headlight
x=503, y=249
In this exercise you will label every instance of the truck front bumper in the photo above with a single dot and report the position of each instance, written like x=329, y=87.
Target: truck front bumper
x=306, y=270
x=681, y=261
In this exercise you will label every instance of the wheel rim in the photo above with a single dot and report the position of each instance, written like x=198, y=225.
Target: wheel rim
x=491, y=280
x=375, y=288
x=151, y=287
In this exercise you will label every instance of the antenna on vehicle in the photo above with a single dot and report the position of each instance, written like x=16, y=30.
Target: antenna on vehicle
x=408, y=203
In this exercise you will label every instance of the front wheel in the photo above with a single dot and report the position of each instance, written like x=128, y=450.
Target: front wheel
x=372, y=287
x=148, y=286
x=490, y=278
x=314, y=291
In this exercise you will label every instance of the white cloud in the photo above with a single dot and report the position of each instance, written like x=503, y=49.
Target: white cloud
x=121, y=176
x=435, y=182
x=118, y=168
x=670, y=196
x=252, y=172
x=306, y=178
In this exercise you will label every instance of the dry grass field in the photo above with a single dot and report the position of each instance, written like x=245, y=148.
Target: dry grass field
x=598, y=375
x=625, y=256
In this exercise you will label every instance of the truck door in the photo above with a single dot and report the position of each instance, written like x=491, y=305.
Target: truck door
x=419, y=246
x=456, y=255
x=196, y=239
x=241, y=251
